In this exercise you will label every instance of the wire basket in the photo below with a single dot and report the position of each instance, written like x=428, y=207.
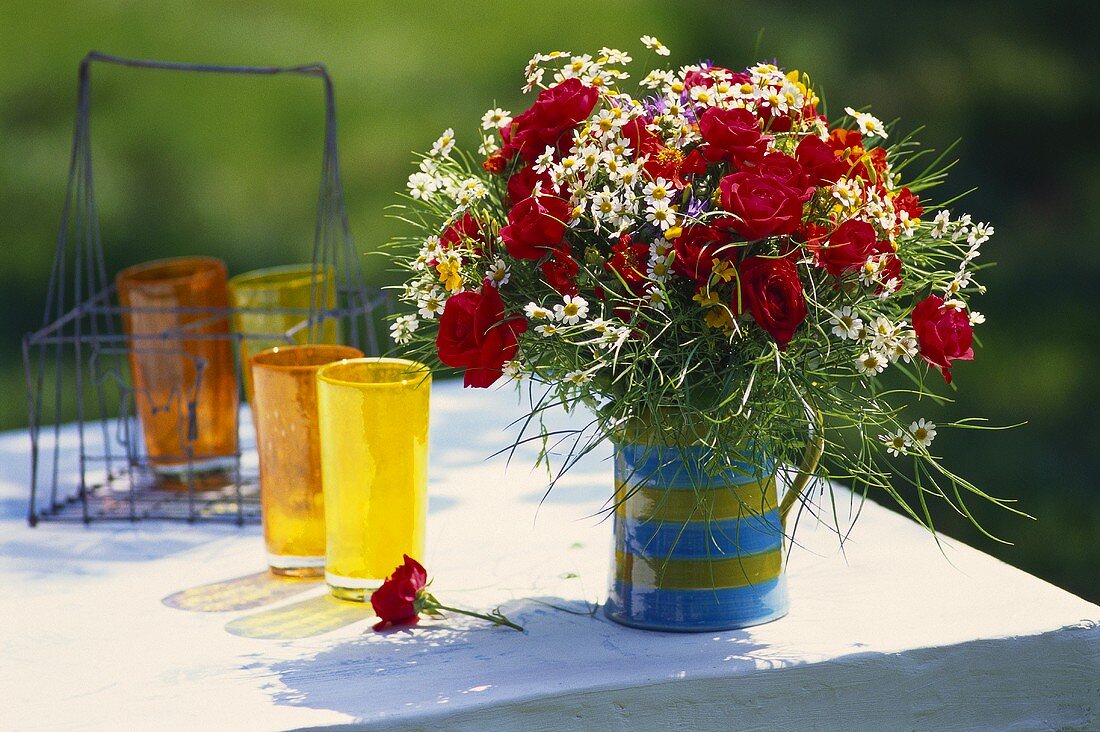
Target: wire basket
x=96, y=468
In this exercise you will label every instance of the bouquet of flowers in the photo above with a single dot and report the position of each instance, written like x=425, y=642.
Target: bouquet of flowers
x=710, y=260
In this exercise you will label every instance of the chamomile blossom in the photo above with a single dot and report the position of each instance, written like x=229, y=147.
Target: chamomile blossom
x=534, y=311
x=897, y=444
x=431, y=304
x=904, y=347
x=923, y=432
x=546, y=330
x=976, y=318
x=443, y=146
x=654, y=45
x=571, y=310
x=513, y=370
x=846, y=323
x=402, y=328
x=496, y=118
x=940, y=224
x=868, y=124
x=661, y=215
x=871, y=363
x=577, y=378
x=499, y=273
x=422, y=186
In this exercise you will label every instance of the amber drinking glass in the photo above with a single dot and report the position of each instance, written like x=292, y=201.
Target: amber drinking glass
x=175, y=314
x=373, y=416
x=285, y=414
x=272, y=307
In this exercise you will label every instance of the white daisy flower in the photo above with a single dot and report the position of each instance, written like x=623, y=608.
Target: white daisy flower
x=431, y=304
x=488, y=146
x=654, y=45
x=546, y=330
x=846, y=323
x=923, y=432
x=496, y=118
x=868, y=124
x=903, y=347
x=976, y=318
x=402, y=328
x=499, y=273
x=422, y=186
x=446, y=142
x=655, y=297
x=571, y=310
x=871, y=363
x=537, y=312
x=577, y=378
x=661, y=215
x=513, y=370
x=898, y=443
x=657, y=190
x=940, y=224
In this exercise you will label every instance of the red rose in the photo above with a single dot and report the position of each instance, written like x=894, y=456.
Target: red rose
x=522, y=183
x=696, y=249
x=466, y=228
x=494, y=164
x=732, y=135
x=772, y=292
x=788, y=170
x=943, y=333
x=560, y=271
x=848, y=248
x=908, y=202
x=395, y=602
x=820, y=161
x=474, y=334
x=628, y=261
x=555, y=113
x=761, y=205
x=535, y=224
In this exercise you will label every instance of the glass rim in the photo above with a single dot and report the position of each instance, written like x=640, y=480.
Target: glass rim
x=284, y=274
x=202, y=266
x=413, y=367
x=260, y=360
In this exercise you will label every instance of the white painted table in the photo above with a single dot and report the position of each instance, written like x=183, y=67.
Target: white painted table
x=110, y=627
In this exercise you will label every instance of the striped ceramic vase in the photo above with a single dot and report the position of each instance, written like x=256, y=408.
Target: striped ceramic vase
x=694, y=552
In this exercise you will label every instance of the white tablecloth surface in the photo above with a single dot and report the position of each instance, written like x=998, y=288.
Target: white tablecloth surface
x=116, y=626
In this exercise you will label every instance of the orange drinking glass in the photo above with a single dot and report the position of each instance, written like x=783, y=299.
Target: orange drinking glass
x=175, y=313
x=284, y=410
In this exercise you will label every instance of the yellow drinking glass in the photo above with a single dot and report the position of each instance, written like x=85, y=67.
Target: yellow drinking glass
x=373, y=415
x=287, y=439
x=262, y=299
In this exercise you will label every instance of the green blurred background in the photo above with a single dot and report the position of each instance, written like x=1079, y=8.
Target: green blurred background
x=189, y=164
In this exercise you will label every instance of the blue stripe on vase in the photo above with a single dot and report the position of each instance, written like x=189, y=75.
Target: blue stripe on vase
x=714, y=539
x=682, y=468
x=697, y=610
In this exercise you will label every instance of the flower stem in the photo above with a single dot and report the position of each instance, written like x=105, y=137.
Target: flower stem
x=496, y=618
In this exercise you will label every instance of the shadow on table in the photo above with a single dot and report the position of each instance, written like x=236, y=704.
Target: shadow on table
x=463, y=662
x=60, y=549
x=240, y=593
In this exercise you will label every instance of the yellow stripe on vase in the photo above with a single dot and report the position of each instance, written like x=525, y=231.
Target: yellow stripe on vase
x=698, y=574
x=657, y=504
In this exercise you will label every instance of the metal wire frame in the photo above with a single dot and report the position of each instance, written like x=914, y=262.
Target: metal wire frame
x=80, y=351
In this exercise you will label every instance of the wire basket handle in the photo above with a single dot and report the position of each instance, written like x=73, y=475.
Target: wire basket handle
x=332, y=245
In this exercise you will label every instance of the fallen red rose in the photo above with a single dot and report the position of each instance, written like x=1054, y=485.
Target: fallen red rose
x=395, y=602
